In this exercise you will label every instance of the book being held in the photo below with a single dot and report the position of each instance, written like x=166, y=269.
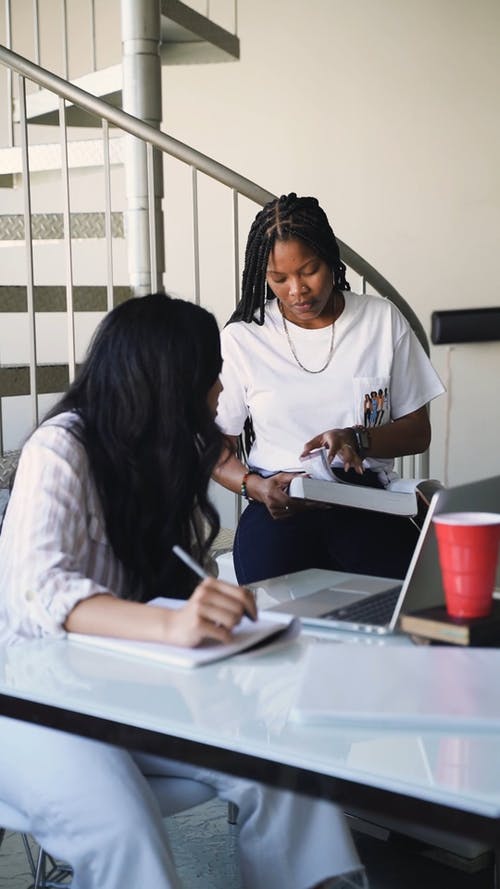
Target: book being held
x=321, y=483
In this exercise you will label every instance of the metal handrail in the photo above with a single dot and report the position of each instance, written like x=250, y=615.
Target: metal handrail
x=130, y=124
x=199, y=161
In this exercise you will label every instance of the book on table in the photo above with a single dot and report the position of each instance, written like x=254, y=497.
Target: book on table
x=248, y=634
x=320, y=483
x=398, y=686
x=435, y=624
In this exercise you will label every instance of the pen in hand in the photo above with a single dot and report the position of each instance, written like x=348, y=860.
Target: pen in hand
x=191, y=563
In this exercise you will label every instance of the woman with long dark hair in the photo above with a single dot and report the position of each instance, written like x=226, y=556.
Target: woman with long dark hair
x=108, y=483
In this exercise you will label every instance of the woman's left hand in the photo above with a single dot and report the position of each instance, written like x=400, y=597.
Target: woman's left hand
x=337, y=441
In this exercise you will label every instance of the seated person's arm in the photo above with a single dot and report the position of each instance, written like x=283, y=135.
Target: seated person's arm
x=51, y=543
x=212, y=611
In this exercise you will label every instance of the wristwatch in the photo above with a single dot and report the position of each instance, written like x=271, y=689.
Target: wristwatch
x=363, y=439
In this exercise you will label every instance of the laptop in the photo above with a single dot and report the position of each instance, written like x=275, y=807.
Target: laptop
x=364, y=603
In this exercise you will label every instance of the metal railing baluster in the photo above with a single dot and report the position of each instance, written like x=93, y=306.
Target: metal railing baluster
x=93, y=36
x=64, y=11
x=196, y=235
x=70, y=314
x=151, y=217
x=28, y=240
x=10, y=82
x=107, y=214
x=36, y=31
x=238, y=500
x=236, y=248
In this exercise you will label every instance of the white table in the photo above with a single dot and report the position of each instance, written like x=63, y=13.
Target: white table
x=232, y=716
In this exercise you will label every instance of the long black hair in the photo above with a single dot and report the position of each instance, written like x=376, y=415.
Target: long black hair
x=150, y=437
x=284, y=219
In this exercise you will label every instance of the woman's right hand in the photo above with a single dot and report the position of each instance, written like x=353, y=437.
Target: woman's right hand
x=212, y=611
x=337, y=441
x=271, y=491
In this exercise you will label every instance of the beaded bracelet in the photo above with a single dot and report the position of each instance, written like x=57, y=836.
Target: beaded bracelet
x=243, y=489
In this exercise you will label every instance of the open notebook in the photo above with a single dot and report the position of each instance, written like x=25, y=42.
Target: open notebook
x=246, y=635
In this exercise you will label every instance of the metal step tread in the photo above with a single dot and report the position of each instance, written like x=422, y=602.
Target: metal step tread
x=82, y=153
x=50, y=226
x=50, y=378
x=52, y=297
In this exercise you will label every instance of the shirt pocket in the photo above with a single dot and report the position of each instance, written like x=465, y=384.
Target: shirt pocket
x=372, y=400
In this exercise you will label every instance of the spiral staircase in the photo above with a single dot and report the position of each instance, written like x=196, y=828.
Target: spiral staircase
x=67, y=219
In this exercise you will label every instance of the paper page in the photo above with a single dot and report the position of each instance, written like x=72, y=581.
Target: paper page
x=316, y=465
x=404, y=485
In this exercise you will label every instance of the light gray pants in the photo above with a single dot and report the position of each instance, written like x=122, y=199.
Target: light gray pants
x=91, y=805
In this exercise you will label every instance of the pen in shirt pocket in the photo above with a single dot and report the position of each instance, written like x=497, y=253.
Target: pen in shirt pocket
x=191, y=563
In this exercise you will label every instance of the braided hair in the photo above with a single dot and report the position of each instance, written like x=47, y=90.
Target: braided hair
x=284, y=219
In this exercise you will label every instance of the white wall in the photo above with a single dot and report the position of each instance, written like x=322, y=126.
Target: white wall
x=387, y=110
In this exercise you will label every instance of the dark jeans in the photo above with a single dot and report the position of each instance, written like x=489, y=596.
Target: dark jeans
x=338, y=538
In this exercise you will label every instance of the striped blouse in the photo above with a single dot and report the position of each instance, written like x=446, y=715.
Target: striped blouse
x=54, y=550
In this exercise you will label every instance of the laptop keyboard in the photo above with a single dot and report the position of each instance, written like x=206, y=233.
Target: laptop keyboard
x=376, y=609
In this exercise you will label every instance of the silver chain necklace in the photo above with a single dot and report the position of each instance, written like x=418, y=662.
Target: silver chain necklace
x=294, y=351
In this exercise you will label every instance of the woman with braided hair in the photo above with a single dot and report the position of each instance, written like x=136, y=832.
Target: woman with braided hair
x=300, y=353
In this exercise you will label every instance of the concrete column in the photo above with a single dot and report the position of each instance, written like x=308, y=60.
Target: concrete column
x=142, y=97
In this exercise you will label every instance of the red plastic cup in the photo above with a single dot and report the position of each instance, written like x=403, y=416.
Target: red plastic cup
x=468, y=544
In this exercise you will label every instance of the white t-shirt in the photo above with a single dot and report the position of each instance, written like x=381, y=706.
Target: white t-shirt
x=378, y=373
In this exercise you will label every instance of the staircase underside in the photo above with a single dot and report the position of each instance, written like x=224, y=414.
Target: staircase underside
x=187, y=38
x=82, y=153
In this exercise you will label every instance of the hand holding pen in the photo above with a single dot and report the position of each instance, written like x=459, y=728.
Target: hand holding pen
x=214, y=609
